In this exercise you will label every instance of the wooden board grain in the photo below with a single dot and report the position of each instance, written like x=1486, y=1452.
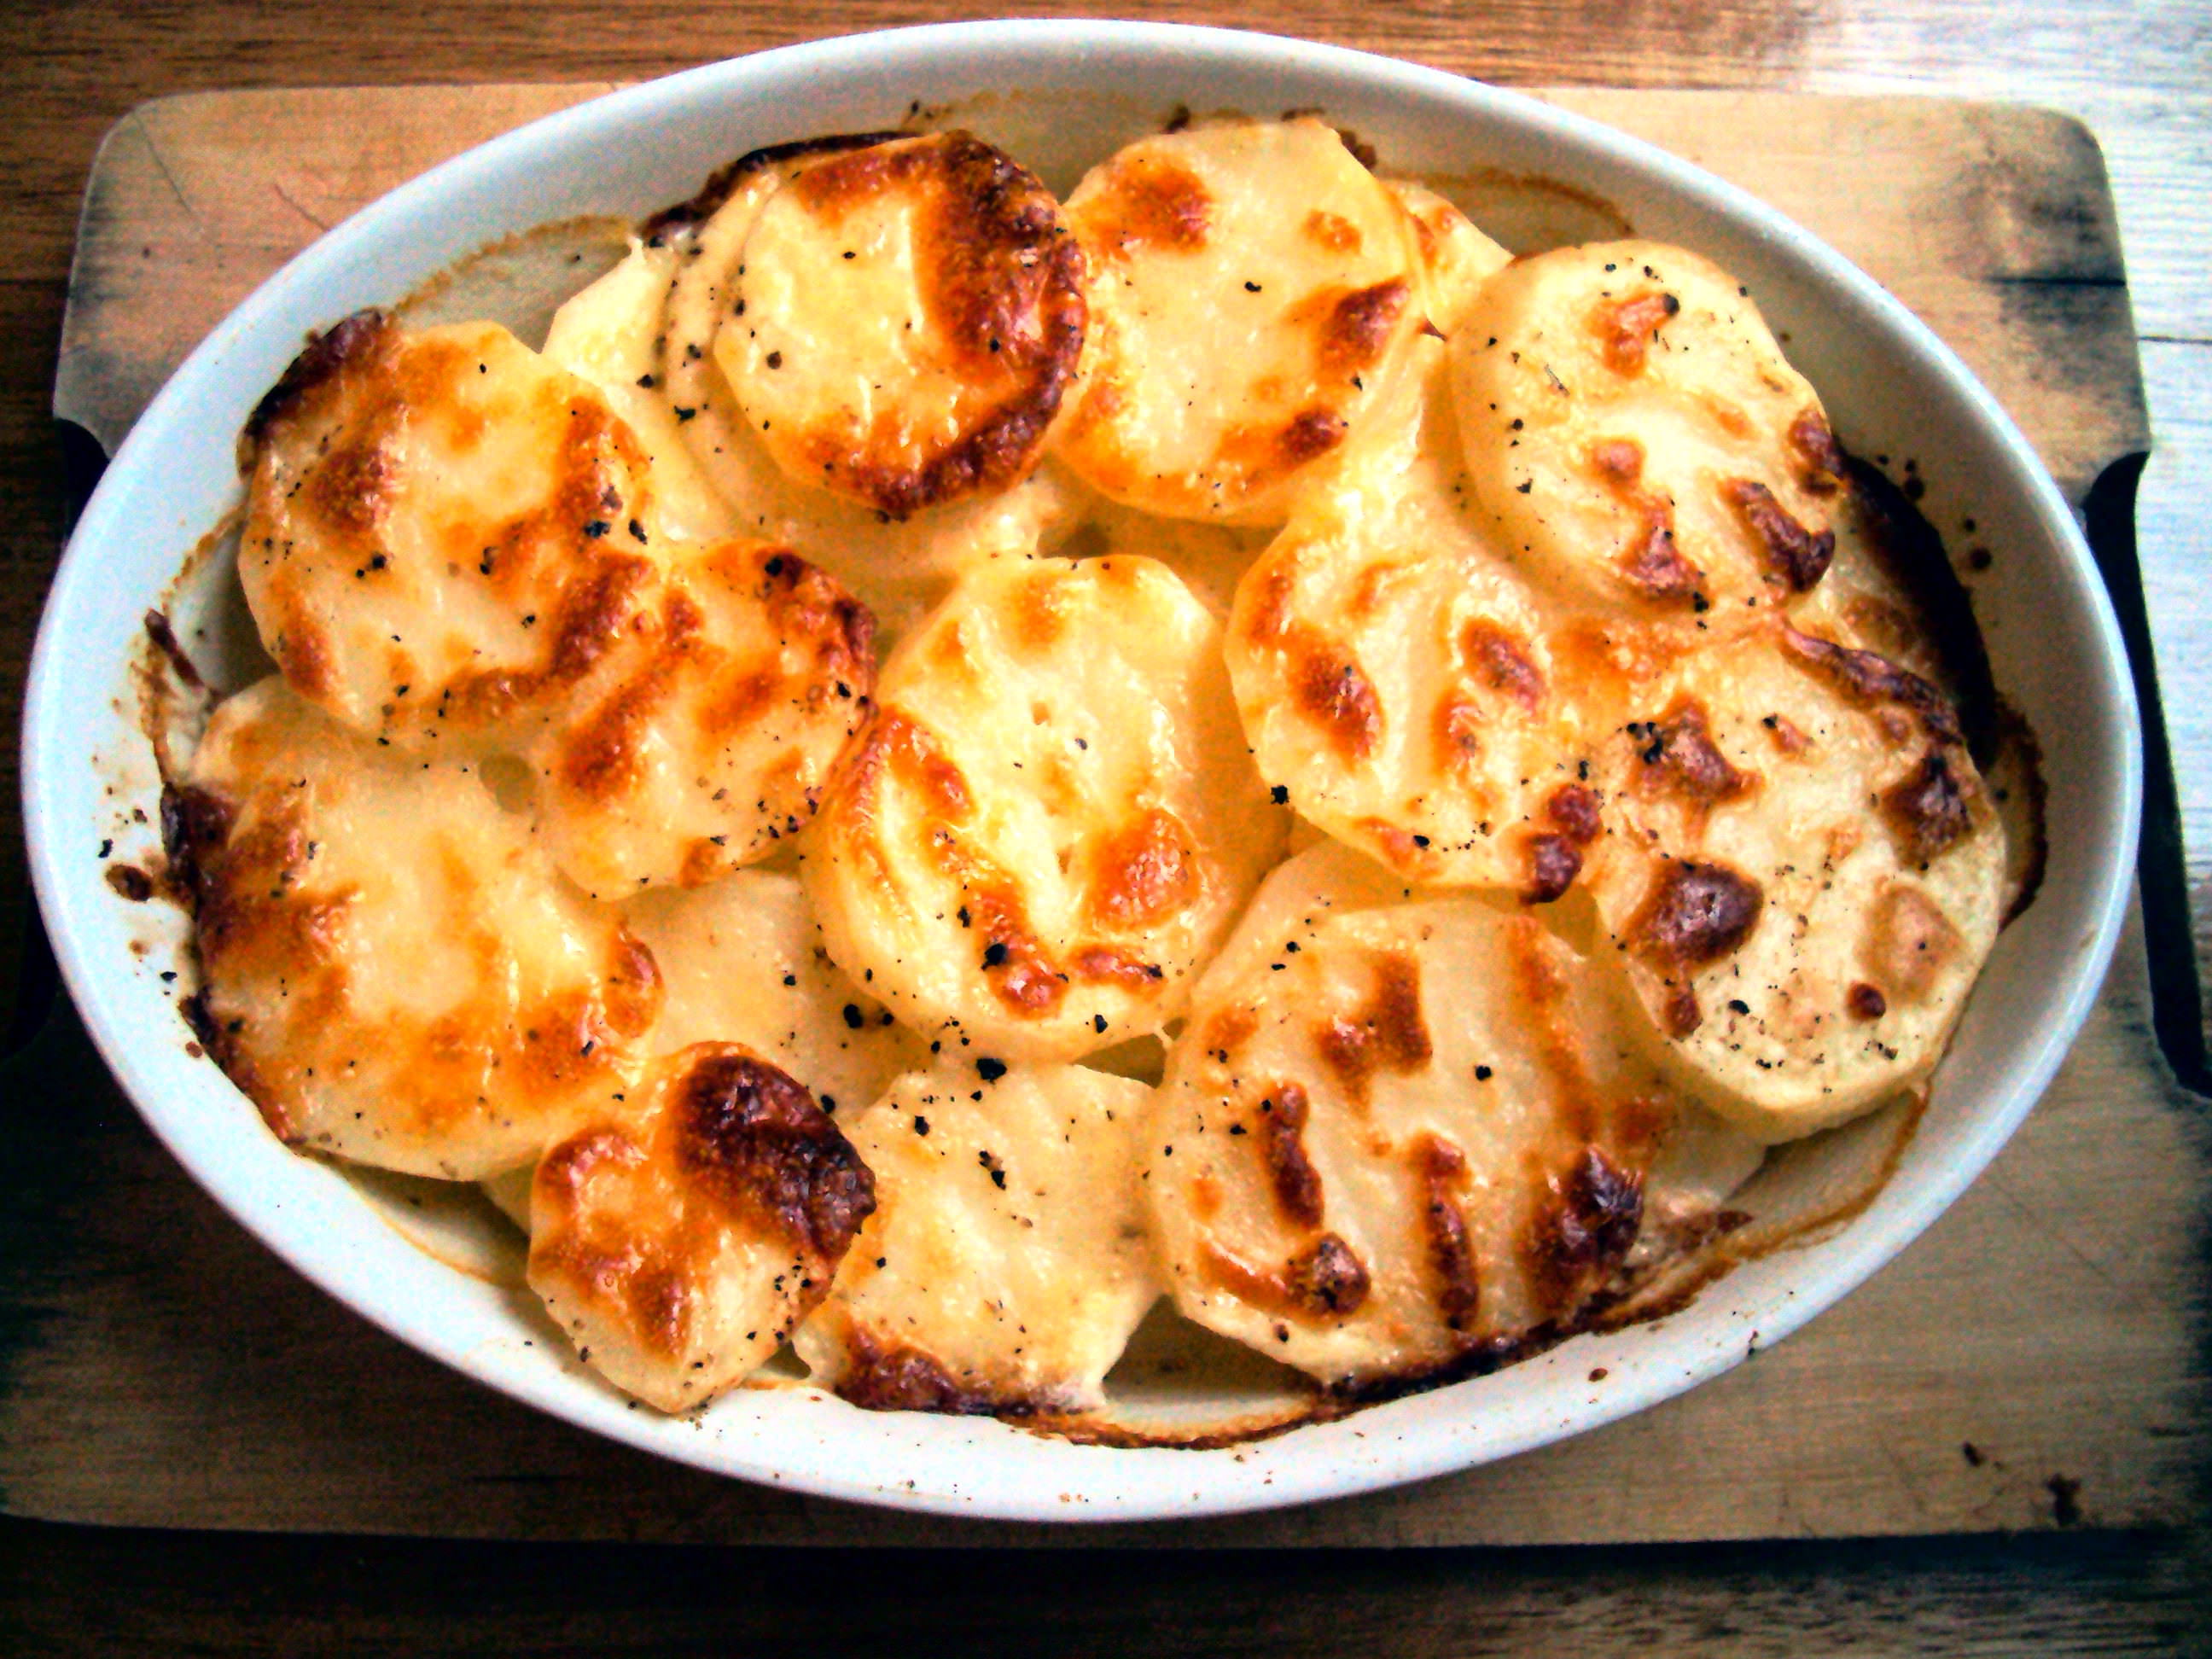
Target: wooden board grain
x=2049, y=1322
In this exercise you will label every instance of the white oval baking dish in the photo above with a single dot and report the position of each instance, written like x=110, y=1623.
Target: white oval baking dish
x=1066, y=93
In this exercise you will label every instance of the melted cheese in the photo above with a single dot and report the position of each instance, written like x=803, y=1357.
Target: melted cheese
x=708, y=738
x=907, y=319
x=1007, y=1262
x=1802, y=873
x=1053, y=820
x=680, y=1235
x=1395, y=675
x=393, y=970
x=1632, y=427
x=899, y=568
x=444, y=531
x=1253, y=289
x=743, y=962
x=1399, y=1134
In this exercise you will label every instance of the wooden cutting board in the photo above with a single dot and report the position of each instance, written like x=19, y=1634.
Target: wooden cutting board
x=2033, y=1361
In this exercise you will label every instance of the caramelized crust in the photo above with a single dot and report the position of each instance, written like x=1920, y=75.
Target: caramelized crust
x=1006, y=1264
x=1796, y=820
x=1634, y=431
x=898, y=568
x=442, y=532
x=1396, y=676
x=908, y=318
x=681, y=1234
x=1547, y=615
x=393, y=971
x=1053, y=820
x=1253, y=289
x=1396, y=1132
x=708, y=739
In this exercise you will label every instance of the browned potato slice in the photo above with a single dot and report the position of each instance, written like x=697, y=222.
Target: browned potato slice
x=392, y=970
x=907, y=319
x=1803, y=874
x=1052, y=821
x=708, y=738
x=898, y=567
x=1400, y=1135
x=743, y=962
x=1007, y=1262
x=444, y=531
x=1253, y=289
x=1396, y=676
x=1634, y=429
x=683, y=1233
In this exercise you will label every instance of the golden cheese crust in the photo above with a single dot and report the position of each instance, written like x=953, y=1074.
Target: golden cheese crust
x=706, y=738
x=898, y=567
x=743, y=962
x=1634, y=429
x=1396, y=676
x=1007, y=1262
x=444, y=531
x=1401, y=1135
x=680, y=1235
x=393, y=971
x=1801, y=873
x=1252, y=288
x=1053, y=820
x=908, y=318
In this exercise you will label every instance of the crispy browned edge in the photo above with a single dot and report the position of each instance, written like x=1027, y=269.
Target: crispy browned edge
x=707, y=200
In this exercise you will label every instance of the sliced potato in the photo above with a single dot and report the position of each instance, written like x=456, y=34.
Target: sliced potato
x=907, y=319
x=1052, y=821
x=1889, y=591
x=1400, y=1134
x=1253, y=289
x=898, y=568
x=1395, y=675
x=444, y=531
x=682, y=1232
x=1803, y=874
x=1007, y=1262
x=510, y=1192
x=1209, y=559
x=743, y=962
x=609, y=334
x=1455, y=257
x=1635, y=430
x=392, y=970
x=708, y=738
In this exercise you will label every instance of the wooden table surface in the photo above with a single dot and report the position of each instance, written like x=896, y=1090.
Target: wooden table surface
x=2140, y=75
